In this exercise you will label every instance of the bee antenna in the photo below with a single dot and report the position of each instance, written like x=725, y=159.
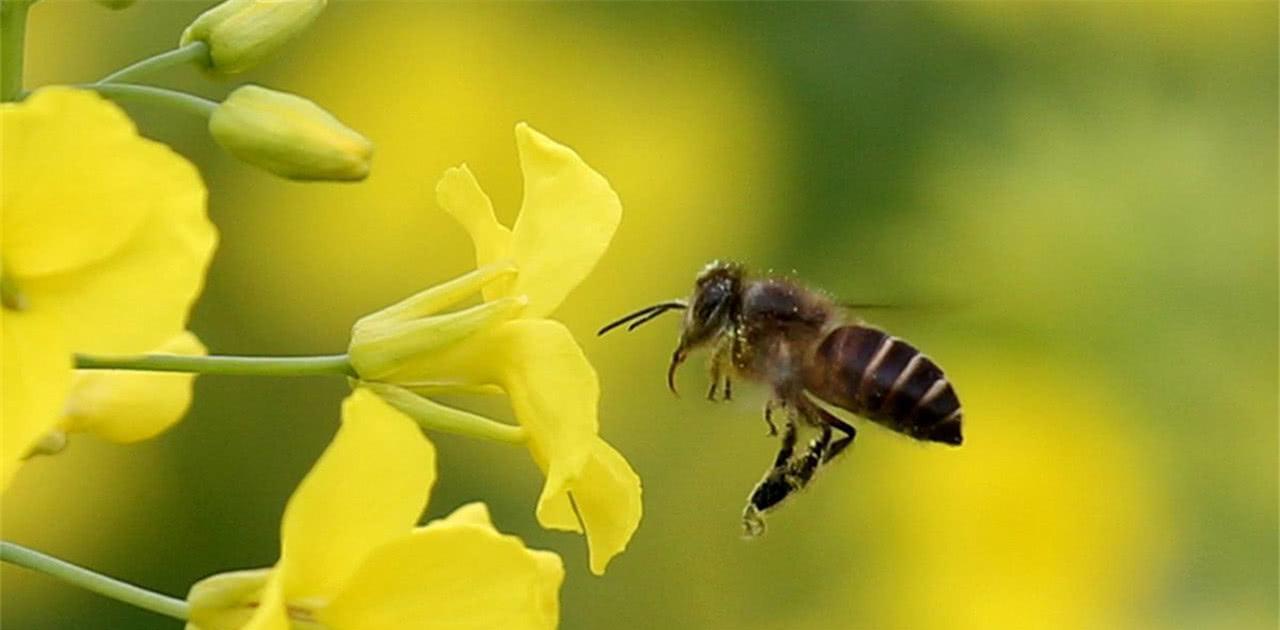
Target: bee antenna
x=643, y=315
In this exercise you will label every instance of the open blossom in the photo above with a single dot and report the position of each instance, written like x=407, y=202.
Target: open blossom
x=416, y=349
x=104, y=248
x=351, y=558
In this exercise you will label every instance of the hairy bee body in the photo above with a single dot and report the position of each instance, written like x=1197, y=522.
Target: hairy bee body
x=801, y=344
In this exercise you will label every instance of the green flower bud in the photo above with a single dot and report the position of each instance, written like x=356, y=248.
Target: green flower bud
x=289, y=136
x=241, y=33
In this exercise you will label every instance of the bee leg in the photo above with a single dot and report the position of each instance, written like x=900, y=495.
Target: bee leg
x=776, y=486
x=803, y=468
x=829, y=419
x=768, y=416
x=728, y=388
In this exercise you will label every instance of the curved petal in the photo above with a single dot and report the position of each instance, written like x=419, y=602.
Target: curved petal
x=69, y=195
x=128, y=406
x=607, y=497
x=227, y=601
x=451, y=574
x=554, y=392
x=35, y=378
x=368, y=487
x=566, y=221
x=139, y=296
x=461, y=196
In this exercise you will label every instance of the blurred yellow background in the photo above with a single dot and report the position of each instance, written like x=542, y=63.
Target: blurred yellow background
x=1082, y=197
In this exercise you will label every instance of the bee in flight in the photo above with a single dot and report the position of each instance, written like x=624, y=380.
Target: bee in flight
x=800, y=343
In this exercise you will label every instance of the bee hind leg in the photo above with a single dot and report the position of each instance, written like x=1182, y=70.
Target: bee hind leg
x=774, y=488
x=830, y=420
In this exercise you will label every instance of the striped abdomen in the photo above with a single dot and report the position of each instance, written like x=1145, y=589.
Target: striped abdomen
x=886, y=380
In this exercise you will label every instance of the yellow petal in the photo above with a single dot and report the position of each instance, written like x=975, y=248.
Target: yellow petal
x=451, y=574
x=476, y=513
x=66, y=204
x=98, y=172
x=227, y=601
x=461, y=196
x=607, y=496
x=565, y=224
x=554, y=392
x=273, y=611
x=128, y=406
x=34, y=382
x=368, y=487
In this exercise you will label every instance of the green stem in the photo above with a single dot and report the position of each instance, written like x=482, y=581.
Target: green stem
x=95, y=582
x=433, y=416
x=189, y=103
x=195, y=51
x=13, y=35
x=336, y=365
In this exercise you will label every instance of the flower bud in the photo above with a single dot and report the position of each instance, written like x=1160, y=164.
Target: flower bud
x=289, y=136
x=241, y=33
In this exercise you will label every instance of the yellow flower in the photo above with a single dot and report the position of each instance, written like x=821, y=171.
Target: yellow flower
x=289, y=136
x=104, y=248
x=408, y=351
x=351, y=558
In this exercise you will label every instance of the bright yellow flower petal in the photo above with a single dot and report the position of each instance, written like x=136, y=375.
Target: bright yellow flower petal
x=227, y=601
x=66, y=204
x=80, y=187
x=368, y=487
x=565, y=224
x=127, y=406
x=553, y=391
x=476, y=513
x=34, y=382
x=607, y=496
x=272, y=613
x=451, y=574
x=461, y=196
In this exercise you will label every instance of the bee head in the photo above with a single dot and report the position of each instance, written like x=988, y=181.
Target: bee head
x=714, y=303
x=708, y=313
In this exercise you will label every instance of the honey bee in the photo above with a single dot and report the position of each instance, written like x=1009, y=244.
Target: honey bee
x=802, y=344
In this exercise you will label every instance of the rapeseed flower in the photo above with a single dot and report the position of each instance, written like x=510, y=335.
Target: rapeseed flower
x=104, y=247
x=409, y=351
x=351, y=558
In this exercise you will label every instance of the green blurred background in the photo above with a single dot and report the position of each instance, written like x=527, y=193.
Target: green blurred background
x=1081, y=199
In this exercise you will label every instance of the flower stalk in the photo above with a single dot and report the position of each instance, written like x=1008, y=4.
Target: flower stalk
x=94, y=582
x=331, y=365
x=13, y=35
x=192, y=52
x=181, y=101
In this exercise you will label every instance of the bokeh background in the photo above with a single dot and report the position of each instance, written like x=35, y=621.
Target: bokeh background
x=1077, y=202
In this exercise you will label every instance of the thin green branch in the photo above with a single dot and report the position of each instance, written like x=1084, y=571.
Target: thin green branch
x=334, y=365
x=195, y=51
x=182, y=101
x=13, y=35
x=94, y=582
